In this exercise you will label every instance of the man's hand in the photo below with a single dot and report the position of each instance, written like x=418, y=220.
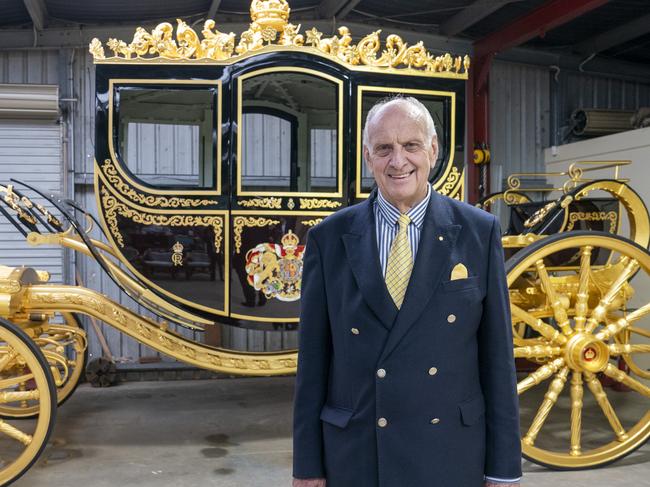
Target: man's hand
x=489, y=483
x=308, y=482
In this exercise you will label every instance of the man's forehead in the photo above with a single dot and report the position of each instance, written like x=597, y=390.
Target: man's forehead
x=381, y=126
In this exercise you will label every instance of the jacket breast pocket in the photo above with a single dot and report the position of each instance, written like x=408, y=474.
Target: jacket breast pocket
x=460, y=284
x=472, y=410
x=339, y=417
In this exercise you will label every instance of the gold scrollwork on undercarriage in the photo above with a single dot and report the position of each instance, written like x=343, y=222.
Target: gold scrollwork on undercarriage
x=270, y=203
x=576, y=216
x=248, y=221
x=315, y=203
x=311, y=223
x=113, y=176
x=270, y=27
x=154, y=335
x=113, y=208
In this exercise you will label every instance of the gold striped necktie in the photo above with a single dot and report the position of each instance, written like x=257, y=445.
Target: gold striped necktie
x=400, y=263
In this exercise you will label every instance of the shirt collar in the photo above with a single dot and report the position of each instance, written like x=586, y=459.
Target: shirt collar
x=391, y=214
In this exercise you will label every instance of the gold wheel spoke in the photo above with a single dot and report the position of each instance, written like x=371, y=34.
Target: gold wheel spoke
x=559, y=311
x=6, y=359
x=582, y=297
x=623, y=378
x=639, y=331
x=23, y=396
x=540, y=375
x=596, y=389
x=624, y=323
x=14, y=381
x=620, y=349
x=547, y=331
x=15, y=433
x=537, y=351
x=550, y=398
x=576, y=413
x=600, y=311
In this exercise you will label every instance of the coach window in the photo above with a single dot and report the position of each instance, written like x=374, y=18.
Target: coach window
x=290, y=129
x=166, y=135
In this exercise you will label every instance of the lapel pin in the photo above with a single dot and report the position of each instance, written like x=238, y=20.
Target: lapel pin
x=441, y=238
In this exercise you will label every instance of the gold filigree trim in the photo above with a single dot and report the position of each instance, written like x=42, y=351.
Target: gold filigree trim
x=270, y=26
x=315, y=203
x=113, y=176
x=452, y=186
x=576, y=216
x=113, y=208
x=270, y=203
x=157, y=336
x=311, y=223
x=248, y=221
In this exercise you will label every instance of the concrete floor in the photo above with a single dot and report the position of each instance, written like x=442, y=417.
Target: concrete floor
x=226, y=433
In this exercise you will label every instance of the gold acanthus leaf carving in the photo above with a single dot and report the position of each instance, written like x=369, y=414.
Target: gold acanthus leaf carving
x=447, y=187
x=248, y=221
x=113, y=208
x=311, y=223
x=113, y=176
x=270, y=26
x=576, y=216
x=315, y=203
x=270, y=203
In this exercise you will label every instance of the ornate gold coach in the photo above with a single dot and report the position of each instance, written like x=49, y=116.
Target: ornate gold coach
x=215, y=154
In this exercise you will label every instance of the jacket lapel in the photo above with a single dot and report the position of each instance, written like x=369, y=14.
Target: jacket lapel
x=430, y=262
x=363, y=257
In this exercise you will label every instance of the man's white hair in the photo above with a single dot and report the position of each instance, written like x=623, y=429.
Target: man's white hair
x=417, y=111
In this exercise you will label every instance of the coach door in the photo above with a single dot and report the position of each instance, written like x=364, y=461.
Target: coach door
x=287, y=176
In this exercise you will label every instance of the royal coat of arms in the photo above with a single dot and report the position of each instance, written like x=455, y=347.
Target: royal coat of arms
x=276, y=269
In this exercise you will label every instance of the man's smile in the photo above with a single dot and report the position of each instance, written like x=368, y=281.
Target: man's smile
x=402, y=175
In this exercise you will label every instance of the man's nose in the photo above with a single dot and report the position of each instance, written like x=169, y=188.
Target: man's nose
x=399, y=157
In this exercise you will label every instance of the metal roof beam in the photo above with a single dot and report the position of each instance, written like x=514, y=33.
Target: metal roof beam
x=214, y=6
x=336, y=8
x=471, y=15
x=616, y=36
x=38, y=12
x=536, y=23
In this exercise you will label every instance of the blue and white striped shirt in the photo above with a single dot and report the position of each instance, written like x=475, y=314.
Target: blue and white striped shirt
x=386, y=216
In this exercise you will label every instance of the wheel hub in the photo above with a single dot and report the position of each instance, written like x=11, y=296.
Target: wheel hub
x=586, y=353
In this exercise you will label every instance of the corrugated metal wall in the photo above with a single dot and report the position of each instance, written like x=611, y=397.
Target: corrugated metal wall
x=30, y=151
x=519, y=119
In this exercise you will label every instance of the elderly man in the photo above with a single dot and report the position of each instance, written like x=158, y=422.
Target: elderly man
x=405, y=376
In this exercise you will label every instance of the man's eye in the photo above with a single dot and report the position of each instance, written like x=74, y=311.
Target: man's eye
x=382, y=151
x=412, y=146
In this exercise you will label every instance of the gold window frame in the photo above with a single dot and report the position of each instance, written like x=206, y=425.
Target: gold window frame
x=410, y=91
x=113, y=82
x=339, y=171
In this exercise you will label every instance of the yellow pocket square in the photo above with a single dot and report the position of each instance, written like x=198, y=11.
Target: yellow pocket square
x=458, y=272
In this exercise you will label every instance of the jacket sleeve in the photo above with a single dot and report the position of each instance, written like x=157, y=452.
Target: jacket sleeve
x=313, y=367
x=497, y=370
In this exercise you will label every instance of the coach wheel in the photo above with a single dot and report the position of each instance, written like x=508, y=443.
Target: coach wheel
x=21, y=442
x=66, y=349
x=584, y=301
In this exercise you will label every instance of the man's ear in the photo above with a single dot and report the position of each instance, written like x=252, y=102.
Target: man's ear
x=434, y=149
x=366, y=157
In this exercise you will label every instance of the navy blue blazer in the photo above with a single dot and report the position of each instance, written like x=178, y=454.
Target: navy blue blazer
x=443, y=411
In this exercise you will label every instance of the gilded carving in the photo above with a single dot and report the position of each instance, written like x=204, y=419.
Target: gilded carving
x=291, y=204
x=270, y=203
x=311, y=223
x=113, y=208
x=576, y=216
x=248, y=221
x=276, y=269
x=153, y=335
x=113, y=176
x=177, y=254
x=315, y=203
x=450, y=183
x=270, y=26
